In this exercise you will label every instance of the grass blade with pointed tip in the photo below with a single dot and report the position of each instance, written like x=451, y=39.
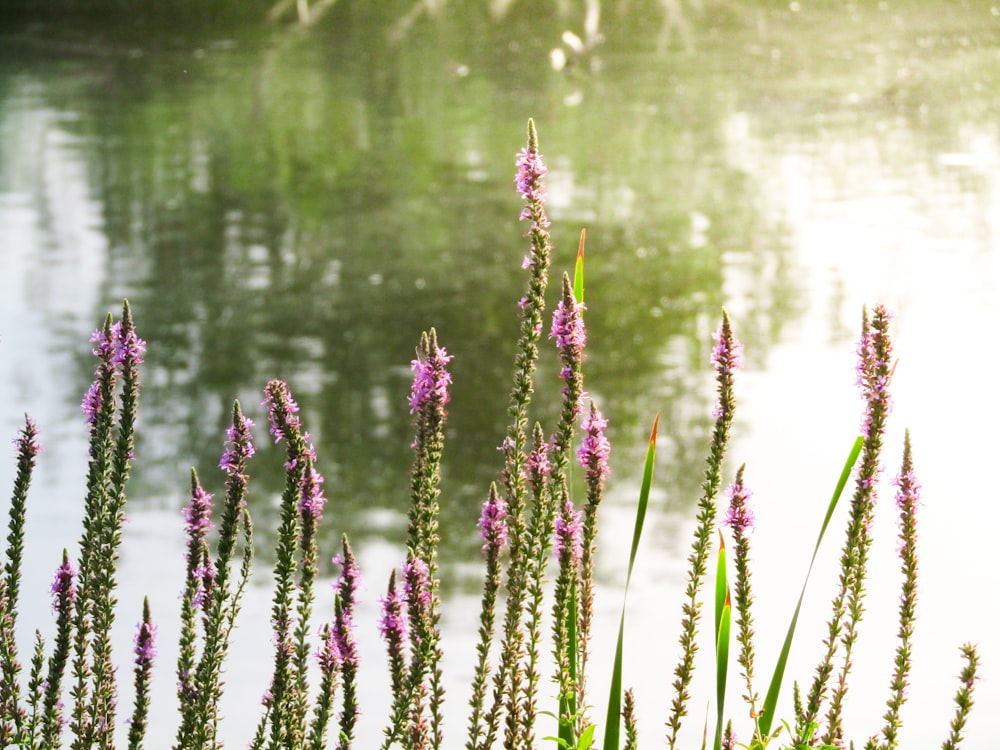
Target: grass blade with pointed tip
x=723, y=618
x=578, y=273
x=771, y=701
x=612, y=731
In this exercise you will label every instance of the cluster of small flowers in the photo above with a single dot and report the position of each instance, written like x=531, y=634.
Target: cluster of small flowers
x=63, y=589
x=26, y=441
x=739, y=517
x=567, y=326
x=145, y=644
x=595, y=448
x=569, y=532
x=239, y=445
x=311, y=497
x=282, y=411
x=430, y=379
x=493, y=522
x=530, y=171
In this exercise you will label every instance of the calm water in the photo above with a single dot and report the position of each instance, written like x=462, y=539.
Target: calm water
x=298, y=203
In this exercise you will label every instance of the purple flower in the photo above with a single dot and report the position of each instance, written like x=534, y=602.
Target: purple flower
x=493, y=521
x=392, y=623
x=145, y=645
x=537, y=465
x=430, y=377
x=115, y=347
x=204, y=578
x=349, y=582
x=907, y=490
x=567, y=326
x=727, y=357
x=26, y=441
x=530, y=171
x=740, y=516
x=92, y=401
x=728, y=352
x=198, y=513
x=569, y=532
x=105, y=341
x=128, y=347
x=417, y=582
x=63, y=590
x=282, y=411
x=874, y=369
x=595, y=449
x=347, y=586
x=311, y=497
x=239, y=445
x=329, y=656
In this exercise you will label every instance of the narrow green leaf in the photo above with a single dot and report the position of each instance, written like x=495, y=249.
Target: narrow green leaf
x=774, y=690
x=612, y=724
x=723, y=616
x=586, y=738
x=721, y=584
x=578, y=273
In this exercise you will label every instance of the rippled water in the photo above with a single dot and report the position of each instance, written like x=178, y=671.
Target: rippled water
x=302, y=203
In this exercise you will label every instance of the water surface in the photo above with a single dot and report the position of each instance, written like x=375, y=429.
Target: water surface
x=302, y=203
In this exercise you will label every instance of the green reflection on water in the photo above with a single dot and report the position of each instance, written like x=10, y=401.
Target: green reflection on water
x=301, y=204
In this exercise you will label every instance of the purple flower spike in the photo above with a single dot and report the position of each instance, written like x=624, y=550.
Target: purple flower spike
x=145, y=645
x=239, y=445
x=493, y=521
x=311, y=497
x=282, y=411
x=530, y=171
x=740, y=516
x=26, y=441
x=128, y=346
x=392, y=623
x=430, y=376
x=728, y=352
x=105, y=342
x=198, y=514
x=416, y=580
x=329, y=656
x=569, y=532
x=92, y=402
x=63, y=590
x=567, y=325
x=595, y=449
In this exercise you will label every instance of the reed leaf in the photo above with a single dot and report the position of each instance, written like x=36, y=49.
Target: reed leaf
x=612, y=732
x=773, y=691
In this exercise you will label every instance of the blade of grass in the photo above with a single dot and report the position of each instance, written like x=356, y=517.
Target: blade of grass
x=723, y=617
x=773, y=691
x=578, y=273
x=612, y=731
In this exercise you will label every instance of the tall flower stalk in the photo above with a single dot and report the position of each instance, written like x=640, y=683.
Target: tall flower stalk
x=907, y=502
x=287, y=700
x=11, y=713
x=415, y=716
x=507, y=694
x=726, y=358
x=874, y=372
x=211, y=597
x=740, y=520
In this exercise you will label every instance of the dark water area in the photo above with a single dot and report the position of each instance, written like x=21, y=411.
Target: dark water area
x=279, y=199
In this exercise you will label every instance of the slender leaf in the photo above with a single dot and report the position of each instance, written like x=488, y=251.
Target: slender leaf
x=578, y=273
x=612, y=731
x=771, y=701
x=723, y=618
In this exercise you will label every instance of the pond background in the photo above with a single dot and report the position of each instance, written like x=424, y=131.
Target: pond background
x=280, y=200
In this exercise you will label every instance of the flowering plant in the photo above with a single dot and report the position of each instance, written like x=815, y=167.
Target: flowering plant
x=532, y=518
